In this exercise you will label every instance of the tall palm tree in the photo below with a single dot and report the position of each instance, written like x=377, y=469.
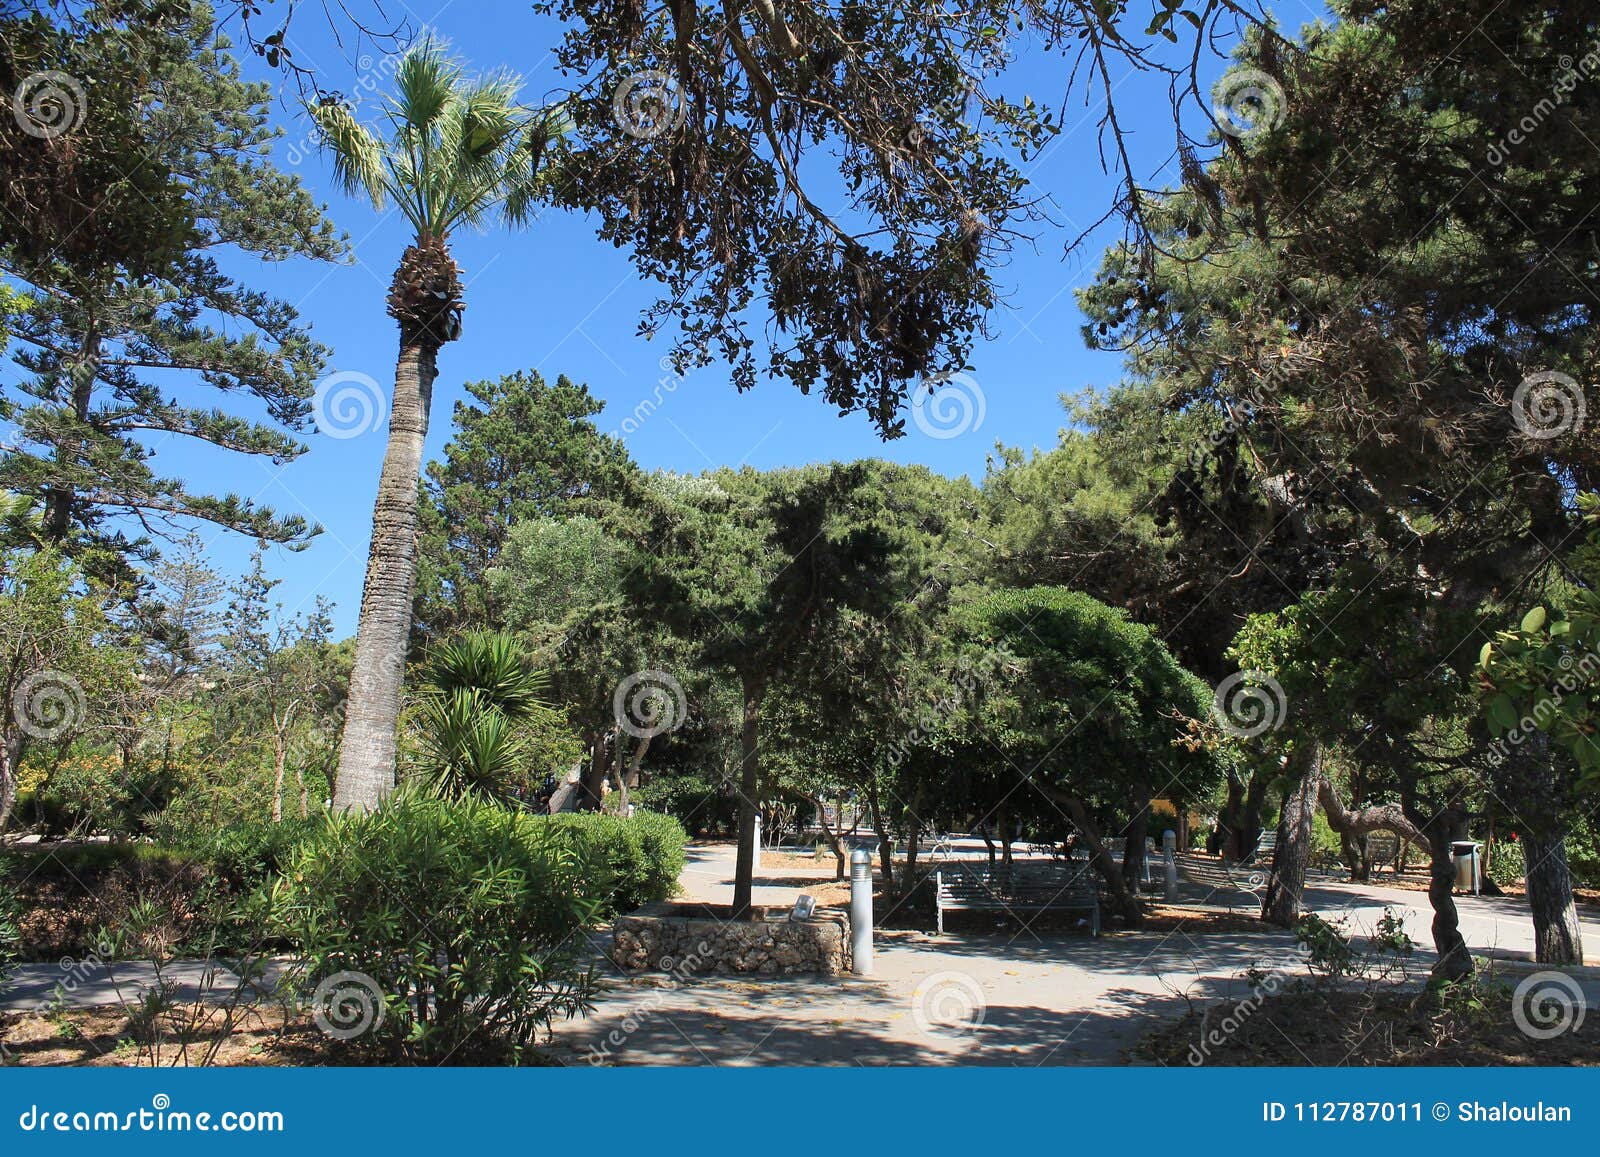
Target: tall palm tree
x=456, y=151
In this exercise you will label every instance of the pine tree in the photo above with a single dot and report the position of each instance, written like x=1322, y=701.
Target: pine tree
x=104, y=327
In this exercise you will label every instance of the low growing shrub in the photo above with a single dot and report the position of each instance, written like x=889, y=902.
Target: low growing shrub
x=639, y=858
x=1508, y=863
x=436, y=930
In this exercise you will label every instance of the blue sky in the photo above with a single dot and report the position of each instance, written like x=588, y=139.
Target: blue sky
x=555, y=299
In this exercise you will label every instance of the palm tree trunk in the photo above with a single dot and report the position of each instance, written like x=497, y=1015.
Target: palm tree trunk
x=372, y=717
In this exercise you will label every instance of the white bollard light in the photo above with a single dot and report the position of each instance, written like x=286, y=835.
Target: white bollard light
x=861, y=911
x=755, y=860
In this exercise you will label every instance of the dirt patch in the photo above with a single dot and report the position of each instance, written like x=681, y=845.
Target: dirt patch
x=103, y=1037
x=1320, y=1027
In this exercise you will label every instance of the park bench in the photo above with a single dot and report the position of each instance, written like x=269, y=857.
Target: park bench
x=1218, y=876
x=1383, y=848
x=978, y=889
x=1262, y=853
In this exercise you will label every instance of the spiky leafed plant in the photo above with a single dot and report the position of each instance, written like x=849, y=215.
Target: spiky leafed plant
x=457, y=151
x=469, y=733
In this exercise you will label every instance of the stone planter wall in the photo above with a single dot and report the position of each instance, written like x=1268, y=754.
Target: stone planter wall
x=691, y=940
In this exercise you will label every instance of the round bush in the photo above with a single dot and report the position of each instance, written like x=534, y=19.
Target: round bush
x=436, y=930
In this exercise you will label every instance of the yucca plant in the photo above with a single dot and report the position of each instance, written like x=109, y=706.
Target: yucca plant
x=454, y=151
x=469, y=726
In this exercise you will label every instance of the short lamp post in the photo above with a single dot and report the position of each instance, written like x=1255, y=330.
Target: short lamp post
x=861, y=911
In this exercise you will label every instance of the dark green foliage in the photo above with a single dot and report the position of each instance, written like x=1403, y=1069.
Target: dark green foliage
x=247, y=854
x=464, y=915
x=703, y=806
x=481, y=728
x=1084, y=696
x=638, y=859
x=106, y=327
x=523, y=449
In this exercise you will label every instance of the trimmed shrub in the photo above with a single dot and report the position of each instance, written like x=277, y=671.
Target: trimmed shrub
x=638, y=859
x=437, y=930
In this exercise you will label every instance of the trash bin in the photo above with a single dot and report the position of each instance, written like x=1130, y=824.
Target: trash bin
x=1466, y=854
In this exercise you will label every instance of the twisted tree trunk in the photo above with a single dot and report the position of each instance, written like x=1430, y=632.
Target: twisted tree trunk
x=1442, y=828
x=372, y=716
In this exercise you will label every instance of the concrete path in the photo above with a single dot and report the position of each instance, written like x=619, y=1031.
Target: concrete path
x=975, y=999
x=970, y=998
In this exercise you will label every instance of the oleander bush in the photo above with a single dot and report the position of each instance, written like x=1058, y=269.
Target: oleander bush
x=436, y=930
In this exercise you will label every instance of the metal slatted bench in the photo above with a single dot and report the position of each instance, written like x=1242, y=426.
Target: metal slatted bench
x=1220, y=877
x=968, y=890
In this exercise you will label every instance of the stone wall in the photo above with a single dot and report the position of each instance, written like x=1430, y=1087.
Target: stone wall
x=665, y=938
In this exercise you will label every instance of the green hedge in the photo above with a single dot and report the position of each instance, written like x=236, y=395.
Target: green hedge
x=639, y=858
x=436, y=930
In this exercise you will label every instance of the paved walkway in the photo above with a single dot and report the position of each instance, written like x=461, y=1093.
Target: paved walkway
x=974, y=999
x=1006, y=998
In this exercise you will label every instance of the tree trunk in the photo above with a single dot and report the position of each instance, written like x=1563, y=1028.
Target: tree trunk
x=591, y=784
x=1125, y=903
x=1540, y=782
x=56, y=518
x=885, y=844
x=1241, y=817
x=830, y=835
x=1557, y=936
x=744, y=871
x=1353, y=827
x=1133, y=848
x=280, y=759
x=10, y=758
x=1442, y=829
x=1287, y=884
x=372, y=715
